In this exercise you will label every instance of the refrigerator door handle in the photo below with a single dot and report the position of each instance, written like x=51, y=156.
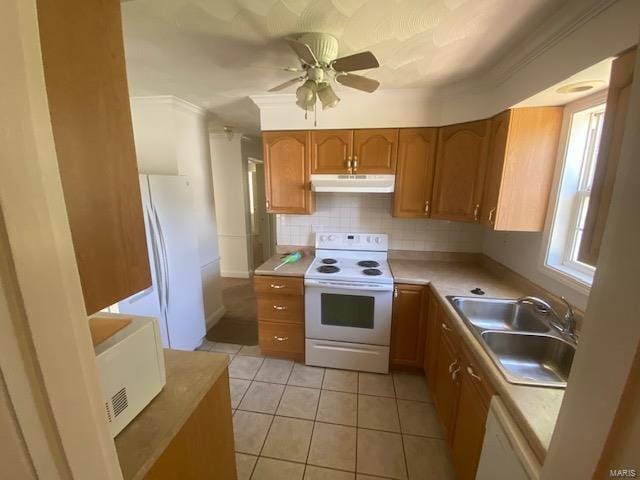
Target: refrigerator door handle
x=165, y=260
x=156, y=260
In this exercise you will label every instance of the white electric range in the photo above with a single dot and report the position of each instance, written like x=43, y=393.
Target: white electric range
x=348, y=297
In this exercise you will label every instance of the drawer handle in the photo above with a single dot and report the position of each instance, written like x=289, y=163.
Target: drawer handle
x=453, y=364
x=473, y=374
x=446, y=327
x=280, y=339
x=279, y=307
x=277, y=286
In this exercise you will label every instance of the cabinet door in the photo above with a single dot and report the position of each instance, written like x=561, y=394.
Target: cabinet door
x=471, y=416
x=407, y=327
x=331, y=151
x=446, y=386
x=414, y=172
x=375, y=150
x=460, y=169
x=495, y=163
x=432, y=341
x=85, y=76
x=287, y=167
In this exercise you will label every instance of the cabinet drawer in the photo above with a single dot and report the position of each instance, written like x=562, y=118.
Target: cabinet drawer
x=281, y=308
x=281, y=337
x=279, y=285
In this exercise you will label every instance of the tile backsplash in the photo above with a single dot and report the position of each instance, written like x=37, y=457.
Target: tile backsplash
x=371, y=212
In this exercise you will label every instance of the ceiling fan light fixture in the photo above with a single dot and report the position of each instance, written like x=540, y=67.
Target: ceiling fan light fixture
x=327, y=96
x=306, y=95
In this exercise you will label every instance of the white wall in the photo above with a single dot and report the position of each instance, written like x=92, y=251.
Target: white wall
x=172, y=139
x=229, y=173
x=371, y=212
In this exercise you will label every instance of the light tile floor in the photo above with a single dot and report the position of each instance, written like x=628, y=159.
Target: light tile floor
x=294, y=422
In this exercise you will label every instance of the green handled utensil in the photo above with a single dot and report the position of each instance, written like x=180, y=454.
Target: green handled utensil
x=289, y=259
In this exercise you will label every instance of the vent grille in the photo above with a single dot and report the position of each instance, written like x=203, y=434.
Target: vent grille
x=119, y=402
x=106, y=406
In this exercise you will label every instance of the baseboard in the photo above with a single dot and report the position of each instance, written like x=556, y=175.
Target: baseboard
x=215, y=317
x=235, y=273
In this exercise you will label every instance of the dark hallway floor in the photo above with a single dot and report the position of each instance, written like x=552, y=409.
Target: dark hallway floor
x=239, y=324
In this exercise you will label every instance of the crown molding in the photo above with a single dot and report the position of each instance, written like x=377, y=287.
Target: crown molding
x=556, y=28
x=170, y=100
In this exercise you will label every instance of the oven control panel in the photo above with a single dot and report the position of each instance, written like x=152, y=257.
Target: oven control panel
x=378, y=242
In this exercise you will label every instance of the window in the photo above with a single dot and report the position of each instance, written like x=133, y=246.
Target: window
x=583, y=126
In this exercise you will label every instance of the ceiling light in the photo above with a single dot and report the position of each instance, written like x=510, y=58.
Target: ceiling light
x=306, y=95
x=579, y=87
x=327, y=96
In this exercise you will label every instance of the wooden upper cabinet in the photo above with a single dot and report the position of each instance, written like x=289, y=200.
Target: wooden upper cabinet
x=522, y=155
x=375, y=150
x=408, y=327
x=461, y=158
x=331, y=151
x=414, y=172
x=287, y=170
x=85, y=77
x=608, y=156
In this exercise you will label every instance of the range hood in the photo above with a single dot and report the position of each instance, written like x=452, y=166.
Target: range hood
x=353, y=183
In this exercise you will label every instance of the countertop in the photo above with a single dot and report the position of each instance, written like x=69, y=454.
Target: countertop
x=190, y=375
x=535, y=409
x=297, y=269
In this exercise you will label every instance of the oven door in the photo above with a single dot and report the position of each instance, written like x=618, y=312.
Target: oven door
x=348, y=312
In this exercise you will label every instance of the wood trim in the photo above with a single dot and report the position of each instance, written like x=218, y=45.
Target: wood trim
x=608, y=156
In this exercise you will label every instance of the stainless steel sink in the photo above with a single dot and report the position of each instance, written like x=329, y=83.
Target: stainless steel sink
x=499, y=314
x=531, y=358
x=520, y=340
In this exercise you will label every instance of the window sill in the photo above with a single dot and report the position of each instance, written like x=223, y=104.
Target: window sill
x=573, y=278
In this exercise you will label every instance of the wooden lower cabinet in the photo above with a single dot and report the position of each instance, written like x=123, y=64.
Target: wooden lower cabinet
x=471, y=416
x=280, y=302
x=460, y=388
x=408, y=327
x=204, y=447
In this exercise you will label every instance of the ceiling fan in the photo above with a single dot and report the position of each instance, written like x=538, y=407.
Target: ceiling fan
x=318, y=55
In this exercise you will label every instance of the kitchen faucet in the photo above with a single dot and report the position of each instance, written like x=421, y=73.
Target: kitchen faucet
x=566, y=325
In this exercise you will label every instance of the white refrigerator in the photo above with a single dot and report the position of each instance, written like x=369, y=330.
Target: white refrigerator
x=175, y=296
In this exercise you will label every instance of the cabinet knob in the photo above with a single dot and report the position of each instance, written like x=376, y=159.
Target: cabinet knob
x=279, y=307
x=349, y=165
x=268, y=205
x=280, y=339
x=426, y=207
x=491, y=212
x=445, y=327
x=277, y=286
x=395, y=292
x=476, y=211
x=355, y=163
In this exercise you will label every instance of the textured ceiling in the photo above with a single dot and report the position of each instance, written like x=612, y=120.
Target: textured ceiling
x=214, y=53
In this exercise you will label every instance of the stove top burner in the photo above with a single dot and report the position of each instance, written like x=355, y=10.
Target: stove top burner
x=329, y=261
x=368, y=263
x=372, y=272
x=328, y=269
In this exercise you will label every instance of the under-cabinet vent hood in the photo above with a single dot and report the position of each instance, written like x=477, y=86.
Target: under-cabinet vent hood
x=353, y=183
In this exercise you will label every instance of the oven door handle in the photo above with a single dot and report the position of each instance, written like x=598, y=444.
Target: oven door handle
x=378, y=287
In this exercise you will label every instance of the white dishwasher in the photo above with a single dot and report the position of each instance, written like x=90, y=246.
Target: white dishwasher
x=506, y=454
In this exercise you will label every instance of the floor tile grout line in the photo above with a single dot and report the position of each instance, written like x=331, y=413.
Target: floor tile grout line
x=404, y=453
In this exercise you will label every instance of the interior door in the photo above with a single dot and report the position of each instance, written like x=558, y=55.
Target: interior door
x=461, y=159
x=331, y=151
x=182, y=287
x=375, y=150
x=414, y=172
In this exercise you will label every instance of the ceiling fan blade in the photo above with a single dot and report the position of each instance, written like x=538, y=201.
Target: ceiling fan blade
x=358, y=82
x=286, y=84
x=357, y=61
x=303, y=51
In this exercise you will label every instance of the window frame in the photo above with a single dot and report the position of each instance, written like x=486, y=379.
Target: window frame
x=554, y=261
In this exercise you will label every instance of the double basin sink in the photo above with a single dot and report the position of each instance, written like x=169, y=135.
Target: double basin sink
x=520, y=340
